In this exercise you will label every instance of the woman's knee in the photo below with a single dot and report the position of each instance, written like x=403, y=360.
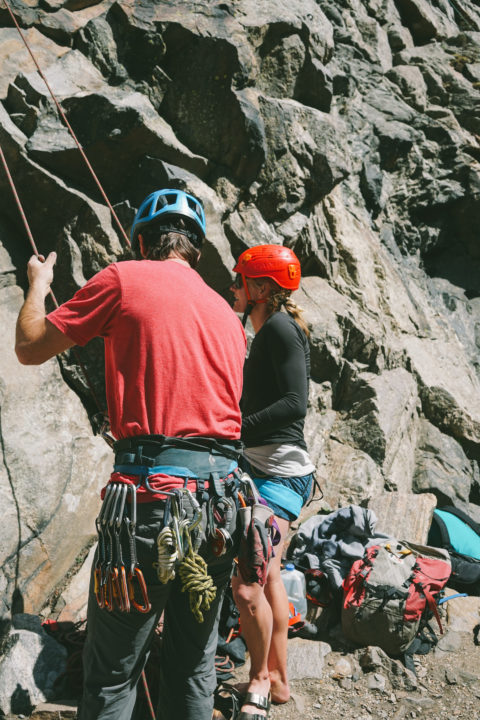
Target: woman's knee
x=247, y=596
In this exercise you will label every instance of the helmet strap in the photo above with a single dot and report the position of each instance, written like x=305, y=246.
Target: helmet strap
x=247, y=313
x=250, y=303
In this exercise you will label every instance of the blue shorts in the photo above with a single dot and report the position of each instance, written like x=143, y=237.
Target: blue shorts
x=302, y=486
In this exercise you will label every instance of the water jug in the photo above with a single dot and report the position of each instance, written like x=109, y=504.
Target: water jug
x=294, y=582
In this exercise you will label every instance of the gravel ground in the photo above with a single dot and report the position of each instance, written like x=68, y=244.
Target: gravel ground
x=448, y=687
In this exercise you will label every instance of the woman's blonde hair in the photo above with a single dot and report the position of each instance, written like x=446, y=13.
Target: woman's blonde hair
x=281, y=298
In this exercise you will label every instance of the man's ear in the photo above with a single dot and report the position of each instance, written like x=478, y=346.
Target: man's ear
x=142, y=245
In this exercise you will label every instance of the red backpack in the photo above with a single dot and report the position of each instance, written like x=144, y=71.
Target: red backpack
x=390, y=590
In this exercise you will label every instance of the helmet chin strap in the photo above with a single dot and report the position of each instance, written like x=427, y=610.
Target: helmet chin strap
x=246, y=314
x=250, y=303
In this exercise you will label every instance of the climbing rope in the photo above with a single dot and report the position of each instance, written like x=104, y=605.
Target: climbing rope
x=195, y=579
x=69, y=127
x=54, y=299
x=458, y=10
x=167, y=555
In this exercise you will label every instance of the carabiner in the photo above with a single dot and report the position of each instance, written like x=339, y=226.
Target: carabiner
x=124, y=593
x=137, y=573
x=116, y=590
x=108, y=594
x=99, y=588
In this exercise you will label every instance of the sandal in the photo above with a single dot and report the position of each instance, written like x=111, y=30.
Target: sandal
x=228, y=700
x=259, y=701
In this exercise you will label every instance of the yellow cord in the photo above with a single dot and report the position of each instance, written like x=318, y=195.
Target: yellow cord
x=195, y=578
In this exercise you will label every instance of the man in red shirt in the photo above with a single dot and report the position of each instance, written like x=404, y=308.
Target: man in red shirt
x=174, y=353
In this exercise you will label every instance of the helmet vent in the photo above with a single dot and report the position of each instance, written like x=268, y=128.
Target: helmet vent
x=161, y=202
x=194, y=206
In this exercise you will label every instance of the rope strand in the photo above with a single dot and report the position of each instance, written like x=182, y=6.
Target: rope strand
x=54, y=299
x=69, y=127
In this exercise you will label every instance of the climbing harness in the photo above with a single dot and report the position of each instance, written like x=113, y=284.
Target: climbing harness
x=175, y=548
x=178, y=541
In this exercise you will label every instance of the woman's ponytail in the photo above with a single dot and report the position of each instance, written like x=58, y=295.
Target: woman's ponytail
x=282, y=298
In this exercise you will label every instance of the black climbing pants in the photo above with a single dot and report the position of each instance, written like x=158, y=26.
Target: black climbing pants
x=118, y=643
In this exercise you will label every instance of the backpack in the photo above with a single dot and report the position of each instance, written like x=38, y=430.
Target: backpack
x=390, y=591
x=455, y=531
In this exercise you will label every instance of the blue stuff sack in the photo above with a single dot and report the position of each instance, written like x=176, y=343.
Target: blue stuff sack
x=456, y=532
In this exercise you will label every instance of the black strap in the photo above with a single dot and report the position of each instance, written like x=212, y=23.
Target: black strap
x=228, y=448
x=217, y=487
x=316, y=486
x=202, y=493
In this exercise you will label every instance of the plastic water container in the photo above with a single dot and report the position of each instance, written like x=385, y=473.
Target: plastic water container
x=294, y=582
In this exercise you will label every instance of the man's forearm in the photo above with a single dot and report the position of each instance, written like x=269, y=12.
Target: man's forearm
x=31, y=324
x=37, y=340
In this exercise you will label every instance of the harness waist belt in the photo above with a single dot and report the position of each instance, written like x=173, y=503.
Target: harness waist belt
x=173, y=461
x=283, y=496
x=156, y=445
x=175, y=470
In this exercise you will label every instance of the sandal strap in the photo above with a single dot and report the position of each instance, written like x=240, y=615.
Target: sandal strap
x=260, y=701
x=228, y=700
x=249, y=716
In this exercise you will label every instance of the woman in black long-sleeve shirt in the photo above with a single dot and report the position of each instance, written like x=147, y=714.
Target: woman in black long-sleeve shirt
x=274, y=404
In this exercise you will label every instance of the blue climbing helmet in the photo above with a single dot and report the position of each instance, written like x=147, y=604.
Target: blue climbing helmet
x=162, y=206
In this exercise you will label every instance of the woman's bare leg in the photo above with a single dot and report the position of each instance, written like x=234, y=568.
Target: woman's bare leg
x=277, y=598
x=256, y=623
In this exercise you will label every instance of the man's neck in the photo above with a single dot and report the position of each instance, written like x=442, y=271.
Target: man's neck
x=177, y=259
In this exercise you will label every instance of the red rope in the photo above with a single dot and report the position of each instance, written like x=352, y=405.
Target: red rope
x=64, y=118
x=35, y=250
x=22, y=213
x=147, y=695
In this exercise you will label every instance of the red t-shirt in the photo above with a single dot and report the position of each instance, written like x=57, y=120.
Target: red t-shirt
x=174, y=349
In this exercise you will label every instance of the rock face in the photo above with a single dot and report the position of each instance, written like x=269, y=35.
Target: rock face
x=30, y=664
x=348, y=131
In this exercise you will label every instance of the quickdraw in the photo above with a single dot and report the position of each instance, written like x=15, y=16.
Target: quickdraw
x=135, y=577
x=113, y=585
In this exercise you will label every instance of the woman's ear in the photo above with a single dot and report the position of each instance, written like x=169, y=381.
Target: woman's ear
x=264, y=290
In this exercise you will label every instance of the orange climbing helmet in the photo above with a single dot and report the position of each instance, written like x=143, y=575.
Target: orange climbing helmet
x=276, y=262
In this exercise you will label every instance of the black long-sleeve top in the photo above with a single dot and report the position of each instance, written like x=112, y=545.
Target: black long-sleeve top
x=275, y=390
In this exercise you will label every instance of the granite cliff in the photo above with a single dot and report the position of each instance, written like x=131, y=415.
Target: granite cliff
x=347, y=130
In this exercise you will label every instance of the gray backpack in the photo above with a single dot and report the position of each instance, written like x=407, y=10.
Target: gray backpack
x=390, y=591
